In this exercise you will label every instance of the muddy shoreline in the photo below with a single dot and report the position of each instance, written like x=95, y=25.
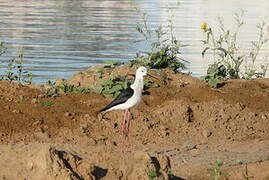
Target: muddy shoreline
x=179, y=130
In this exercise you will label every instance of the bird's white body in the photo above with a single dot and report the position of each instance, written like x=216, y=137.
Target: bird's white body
x=130, y=103
x=138, y=87
x=128, y=99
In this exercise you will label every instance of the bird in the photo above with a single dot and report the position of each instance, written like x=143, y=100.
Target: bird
x=129, y=98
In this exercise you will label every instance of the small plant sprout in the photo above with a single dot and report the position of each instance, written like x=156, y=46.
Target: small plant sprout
x=152, y=174
x=46, y=103
x=51, y=90
x=67, y=88
x=216, y=172
x=15, y=70
x=2, y=48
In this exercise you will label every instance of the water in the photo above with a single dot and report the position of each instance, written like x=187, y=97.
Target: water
x=61, y=37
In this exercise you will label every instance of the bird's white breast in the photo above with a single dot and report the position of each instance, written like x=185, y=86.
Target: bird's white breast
x=130, y=103
x=135, y=98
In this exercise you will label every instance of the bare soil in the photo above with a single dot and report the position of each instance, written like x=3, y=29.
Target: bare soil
x=180, y=128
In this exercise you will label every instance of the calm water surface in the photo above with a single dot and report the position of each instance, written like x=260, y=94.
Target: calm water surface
x=61, y=37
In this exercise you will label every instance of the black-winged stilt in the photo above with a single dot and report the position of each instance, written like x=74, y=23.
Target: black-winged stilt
x=128, y=99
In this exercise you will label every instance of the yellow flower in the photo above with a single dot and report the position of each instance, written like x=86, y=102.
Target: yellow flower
x=204, y=27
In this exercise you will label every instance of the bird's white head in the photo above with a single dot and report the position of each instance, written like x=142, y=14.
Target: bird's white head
x=141, y=71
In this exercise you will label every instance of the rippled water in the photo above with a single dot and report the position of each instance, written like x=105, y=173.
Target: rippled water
x=61, y=37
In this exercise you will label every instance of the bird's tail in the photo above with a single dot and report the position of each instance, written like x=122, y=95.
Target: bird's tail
x=102, y=110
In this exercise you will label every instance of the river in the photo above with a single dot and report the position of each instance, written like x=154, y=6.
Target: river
x=61, y=37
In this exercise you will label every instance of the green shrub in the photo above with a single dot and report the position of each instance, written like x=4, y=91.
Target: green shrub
x=111, y=87
x=51, y=90
x=116, y=83
x=215, y=74
x=67, y=88
x=164, y=46
x=227, y=55
x=15, y=70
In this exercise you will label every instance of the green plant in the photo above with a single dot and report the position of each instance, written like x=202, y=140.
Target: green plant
x=67, y=88
x=15, y=70
x=46, y=103
x=170, y=174
x=216, y=171
x=115, y=84
x=152, y=174
x=250, y=68
x=112, y=63
x=2, y=49
x=150, y=83
x=164, y=46
x=100, y=72
x=225, y=45
x=228, y=55
x=215, y=73
x=51, y=90
x=111, y=87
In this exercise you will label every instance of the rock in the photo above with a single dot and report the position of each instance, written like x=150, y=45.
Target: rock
x=17, y=111
x=34, y=101
x=140, y=155
x=91, y=142
x=42, y=136
x=67, y=114
x=111, y=143
x=41, y=95
x=187, y=146
x=37, y=161
x=206, y=133
x=164, y=162
x=38, y=122
x=70, y=165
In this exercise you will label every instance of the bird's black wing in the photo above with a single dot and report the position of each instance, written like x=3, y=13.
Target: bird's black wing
x=121, y=98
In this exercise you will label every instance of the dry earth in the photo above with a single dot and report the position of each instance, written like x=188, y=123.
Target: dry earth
x=180, y=128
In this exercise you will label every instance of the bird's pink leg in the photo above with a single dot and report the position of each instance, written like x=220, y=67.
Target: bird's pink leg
x=123, y=124
x=128, y=121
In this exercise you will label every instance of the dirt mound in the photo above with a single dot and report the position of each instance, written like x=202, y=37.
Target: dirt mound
x=42, y=161
x=183, y=119
x=47, y=161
